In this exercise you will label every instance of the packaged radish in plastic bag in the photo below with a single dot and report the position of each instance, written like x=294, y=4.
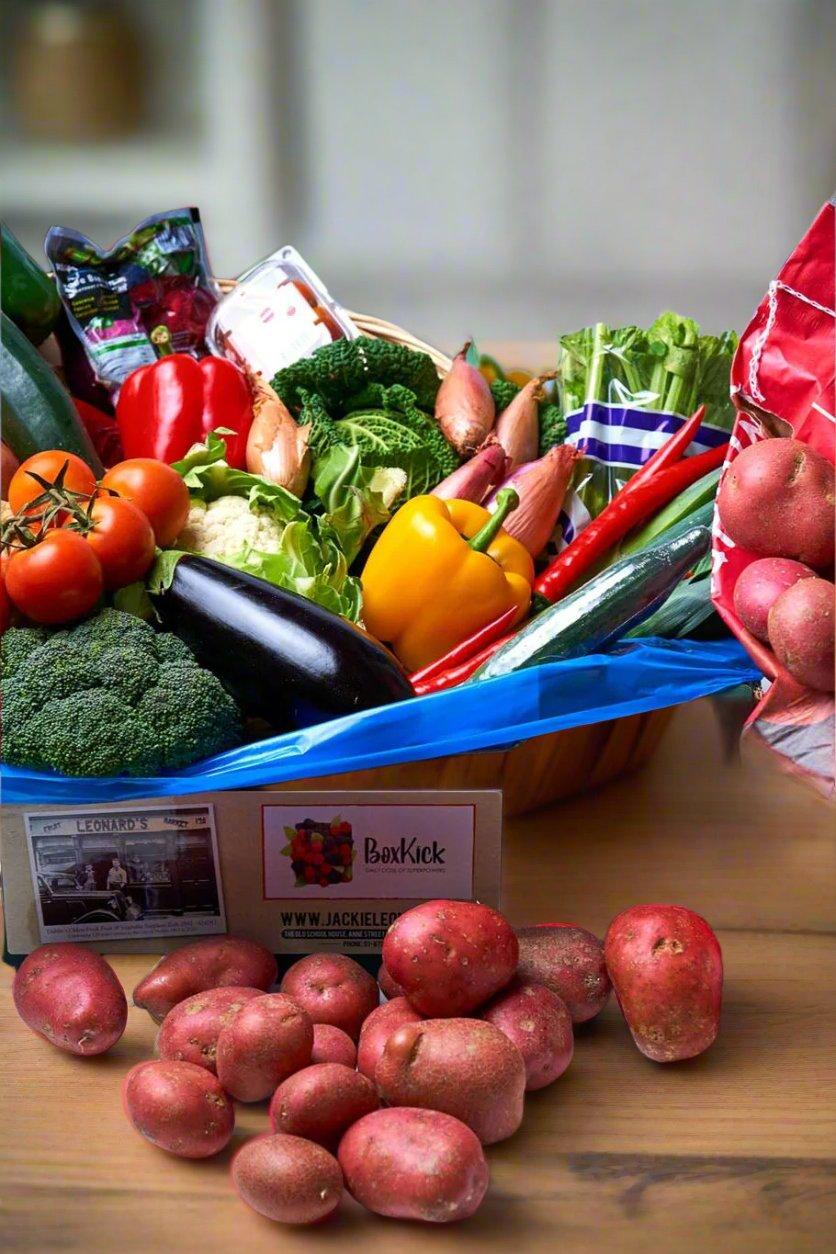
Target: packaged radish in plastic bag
x=151, y=293
x=772, y=577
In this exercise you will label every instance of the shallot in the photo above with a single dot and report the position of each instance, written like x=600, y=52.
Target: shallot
x=473, y=480
x=541, y=486
x=277, y=447
x=464, y=406
x=518, y=426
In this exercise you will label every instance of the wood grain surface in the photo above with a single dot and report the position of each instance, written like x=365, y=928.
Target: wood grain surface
x=734, y=1151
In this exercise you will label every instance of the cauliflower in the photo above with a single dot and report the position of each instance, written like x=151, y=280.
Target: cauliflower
x=227, y=527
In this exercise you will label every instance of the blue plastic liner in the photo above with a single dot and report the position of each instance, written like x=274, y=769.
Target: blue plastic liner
x=496, y=714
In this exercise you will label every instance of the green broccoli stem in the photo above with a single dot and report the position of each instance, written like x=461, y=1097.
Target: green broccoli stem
x=506, y=500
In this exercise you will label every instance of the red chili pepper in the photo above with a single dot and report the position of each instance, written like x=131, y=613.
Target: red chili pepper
x=451, y=676
x=629, y=507
x=169, y=405
x=466, y=648
x=672, y=450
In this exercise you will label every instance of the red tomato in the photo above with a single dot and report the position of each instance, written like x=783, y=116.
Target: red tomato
x=58, y=579
x=158, y=491
x=122, y=540
x=78, y=476
x=5, y=607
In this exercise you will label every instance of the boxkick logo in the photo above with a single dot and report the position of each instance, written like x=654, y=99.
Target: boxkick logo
x=406, y=852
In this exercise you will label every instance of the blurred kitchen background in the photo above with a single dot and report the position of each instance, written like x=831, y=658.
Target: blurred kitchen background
x=503, y=168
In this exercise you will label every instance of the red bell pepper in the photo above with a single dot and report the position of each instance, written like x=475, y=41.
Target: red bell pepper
x=166, y=407
x=102, y=430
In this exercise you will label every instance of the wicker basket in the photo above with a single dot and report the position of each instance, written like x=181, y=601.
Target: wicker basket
x=538, y=771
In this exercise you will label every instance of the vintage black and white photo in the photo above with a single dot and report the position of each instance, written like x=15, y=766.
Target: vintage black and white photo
x=152, y=871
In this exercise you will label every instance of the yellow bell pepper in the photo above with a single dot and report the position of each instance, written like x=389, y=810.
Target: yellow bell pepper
x=440, y=571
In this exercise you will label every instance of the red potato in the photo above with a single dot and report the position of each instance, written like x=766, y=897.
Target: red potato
x=464, y=1067
x=568, y=960
x=539, y=1024
x=667, y=971
x=331, y=1044
x=407, y=1163
x=777, y=500
x=178, y=1107
x=759, y=586
x=189, y=1032
x=377, y=1029
x=320, y=1102
x=801, y=628
x=388, y=987
x=216, y=962
x=450, y=956
x=267, y=1040
x=287, y=1179
x=333, y=989
x=71, y=997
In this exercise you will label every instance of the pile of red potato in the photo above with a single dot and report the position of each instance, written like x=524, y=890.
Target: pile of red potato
x=395, y=1101
x=777, y=502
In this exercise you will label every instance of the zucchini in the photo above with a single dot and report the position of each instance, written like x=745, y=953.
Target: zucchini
x=27, y=295
x=37, y=411
x=605, y=609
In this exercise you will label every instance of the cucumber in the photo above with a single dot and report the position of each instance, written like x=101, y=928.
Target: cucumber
x=605, y=609
x=37, y=411
x=27, y=295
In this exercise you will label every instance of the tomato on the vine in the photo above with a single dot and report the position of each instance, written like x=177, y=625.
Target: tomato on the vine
x=122, y=539
x=56, y=580
x=23, y=489
x=157, y=490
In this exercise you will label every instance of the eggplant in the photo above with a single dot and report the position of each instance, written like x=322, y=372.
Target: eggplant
x=285, y=659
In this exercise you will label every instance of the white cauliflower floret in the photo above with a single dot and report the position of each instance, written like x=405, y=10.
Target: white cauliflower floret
x=226, y=527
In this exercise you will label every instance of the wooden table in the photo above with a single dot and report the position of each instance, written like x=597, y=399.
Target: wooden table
x=733, y=1151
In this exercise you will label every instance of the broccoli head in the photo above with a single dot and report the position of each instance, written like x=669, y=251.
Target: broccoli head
x=16, y=644
x=110, y=696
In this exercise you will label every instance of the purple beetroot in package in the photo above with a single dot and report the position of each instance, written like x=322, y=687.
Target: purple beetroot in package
x=151, y=293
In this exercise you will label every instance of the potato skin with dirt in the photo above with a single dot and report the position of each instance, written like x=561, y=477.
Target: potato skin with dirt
x=568, y=960
x=776, y=499
x=801, y=631
x=331, y=1044
x=72, y=998
x=450, y=956
x=179, y=1107
x=537, y=1021
x=464, y=1067
x=214, y=962
x=287, y=1179
x=333, y=989
x=377, y=1029
x=320, y=1102
x=407, y=1163
x=667, y=971
x=190, y=1031
x=267, y=1040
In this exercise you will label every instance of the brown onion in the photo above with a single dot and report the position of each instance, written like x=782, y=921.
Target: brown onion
x=277, y=447
x=518, y=426
x=473, y=480
x=541, y=487
x=464, y=406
